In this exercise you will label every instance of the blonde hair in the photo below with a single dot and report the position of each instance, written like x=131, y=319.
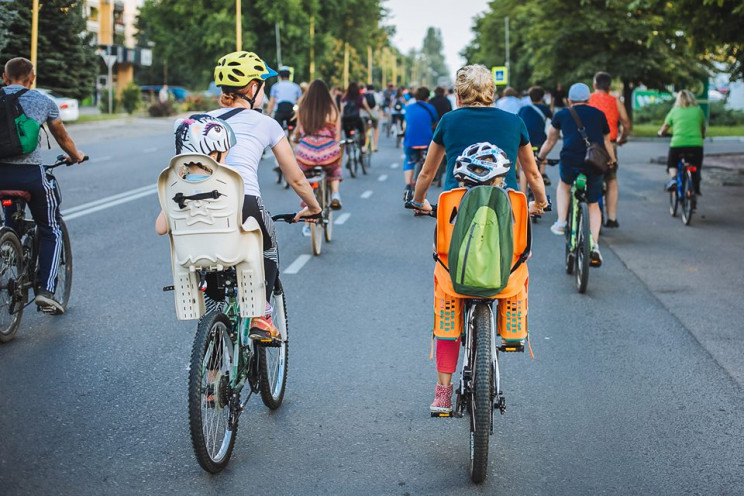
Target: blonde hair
x=685, y=98
x=474, y=86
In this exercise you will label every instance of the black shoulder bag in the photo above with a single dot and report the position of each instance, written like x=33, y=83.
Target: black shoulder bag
x=597, y=159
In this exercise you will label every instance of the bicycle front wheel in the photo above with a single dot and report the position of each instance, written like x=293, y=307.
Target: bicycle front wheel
x=688, y=198
x=213, y=417
x=481, y=404
x=64, y=270
x=11, y=271
x=673, y=202
x=273, y=359
x=570, y=249
x=582, y=247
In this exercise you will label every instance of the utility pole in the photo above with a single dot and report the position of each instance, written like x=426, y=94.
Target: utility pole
x=238, y=27
x=312, y=47
x=369, y=65
x=34, y=35
x=506, y=34
x=346, y=66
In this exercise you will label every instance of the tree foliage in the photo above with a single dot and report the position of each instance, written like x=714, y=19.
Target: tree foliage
x=190, y=35
x=66, y=60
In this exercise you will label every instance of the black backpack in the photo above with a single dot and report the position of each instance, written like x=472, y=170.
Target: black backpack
x=19, y=134
x=371, y=102
x=351, y=109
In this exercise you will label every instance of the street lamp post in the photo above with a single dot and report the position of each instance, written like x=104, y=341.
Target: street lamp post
x=238, y=27
x=34, y=35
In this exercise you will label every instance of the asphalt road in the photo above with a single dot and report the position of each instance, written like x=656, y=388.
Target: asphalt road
x=636, y=387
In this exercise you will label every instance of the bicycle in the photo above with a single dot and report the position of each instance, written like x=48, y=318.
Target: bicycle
x=19, y=258
x=317, y=180
x=368, y=146
x=684, y=192
x=408, y=193
x=288, y=127
x=224, y=361
x=479, y=390
x=353, y=151
x=579, y=242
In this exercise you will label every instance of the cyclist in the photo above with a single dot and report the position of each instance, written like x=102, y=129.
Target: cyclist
x=352, y=104
x=572, y=160
x=687, y=121
x=317, y=136
x=535, y=114
x=398, y=111
x=374, y=115
x=440, y=102
x=25, y=173
x=421, y=118
x=241, y=76
x=615, y=112
x=284, y=95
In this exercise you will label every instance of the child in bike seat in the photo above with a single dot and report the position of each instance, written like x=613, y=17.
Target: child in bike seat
x=199, y=133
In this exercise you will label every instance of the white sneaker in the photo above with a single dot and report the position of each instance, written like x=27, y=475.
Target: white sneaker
x=559, y=228
x=306, y=230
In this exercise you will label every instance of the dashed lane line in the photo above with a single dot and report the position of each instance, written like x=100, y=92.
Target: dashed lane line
x=382, y=178
x=150, y=150
x=342, y=218
x=298, y=264
x=367, y=193
x=394, y=165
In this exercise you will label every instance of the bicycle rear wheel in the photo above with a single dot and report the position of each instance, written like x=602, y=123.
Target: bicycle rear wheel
x=316, y=228
x=351, y=159
x=328, y=217
x=273, y=360
x=688, y=198
x=11, y=271
x=481, y=403
x=213, y=417
x=582, y=247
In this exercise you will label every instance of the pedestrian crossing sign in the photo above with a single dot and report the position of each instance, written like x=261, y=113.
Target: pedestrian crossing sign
x=500, y=75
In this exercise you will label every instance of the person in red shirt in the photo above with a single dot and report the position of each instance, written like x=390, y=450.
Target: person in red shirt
x=615, y=112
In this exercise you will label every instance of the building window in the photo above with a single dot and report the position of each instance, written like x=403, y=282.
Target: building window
x=93, y=14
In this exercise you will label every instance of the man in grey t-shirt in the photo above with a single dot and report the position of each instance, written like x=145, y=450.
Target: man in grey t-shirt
x=25, y=173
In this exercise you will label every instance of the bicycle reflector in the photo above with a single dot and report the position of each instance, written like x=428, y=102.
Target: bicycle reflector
x=7, y=203
x=692, y=168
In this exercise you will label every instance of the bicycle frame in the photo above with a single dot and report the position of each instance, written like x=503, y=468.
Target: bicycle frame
x=578, y=194
x=684, y=167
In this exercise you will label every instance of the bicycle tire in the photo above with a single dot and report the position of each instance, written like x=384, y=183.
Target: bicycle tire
x=688, y=198
x=482, y=398
x=64, y=270
x=316, y=240
x=328, y=217
x=673, y=202
x=350, y=160
x=273, y=361
x=214, y=424
x=366, y=160
x=11, y=272
x=582, y=247
x=570, y=261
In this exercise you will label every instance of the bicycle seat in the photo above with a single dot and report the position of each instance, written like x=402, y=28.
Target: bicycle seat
x=15, y=193
x=207, y=233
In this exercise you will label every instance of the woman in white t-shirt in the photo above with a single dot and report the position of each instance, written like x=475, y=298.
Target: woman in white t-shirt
x=241, y=76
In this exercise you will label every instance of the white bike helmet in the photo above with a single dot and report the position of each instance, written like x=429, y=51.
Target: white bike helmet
x=480, y=163
x=202, y=133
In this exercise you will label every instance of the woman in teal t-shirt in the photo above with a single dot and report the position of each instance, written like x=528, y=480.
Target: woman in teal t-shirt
x=687, y=121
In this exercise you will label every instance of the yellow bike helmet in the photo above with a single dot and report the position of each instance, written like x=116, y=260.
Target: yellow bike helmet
x=237, y=69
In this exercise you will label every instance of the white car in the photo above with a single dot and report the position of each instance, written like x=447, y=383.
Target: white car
x=68, y=107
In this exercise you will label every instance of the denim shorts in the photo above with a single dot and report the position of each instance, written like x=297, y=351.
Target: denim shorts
x=593, y=181
x=413, y=155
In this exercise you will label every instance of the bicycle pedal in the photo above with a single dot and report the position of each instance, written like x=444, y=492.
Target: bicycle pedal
x=46, y=309
x=441, y=414
x=512, y=348
x=270, y=343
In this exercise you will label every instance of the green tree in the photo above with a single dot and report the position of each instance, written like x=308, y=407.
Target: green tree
x=66, y=60
x=433, y=58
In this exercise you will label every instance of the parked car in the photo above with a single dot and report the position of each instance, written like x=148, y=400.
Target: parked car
x=176, y=92
x=68, y=107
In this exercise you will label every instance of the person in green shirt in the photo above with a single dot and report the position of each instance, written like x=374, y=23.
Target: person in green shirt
x=687, y=122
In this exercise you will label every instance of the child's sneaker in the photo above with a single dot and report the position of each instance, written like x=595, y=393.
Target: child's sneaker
x=442, y=400
x=558, y=228
x=263, y=329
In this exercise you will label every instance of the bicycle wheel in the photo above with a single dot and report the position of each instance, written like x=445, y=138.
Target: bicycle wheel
x=481, y=403
x=11, y=271
x=328, y=216
x=351, y=160
x=273, y=361
x=582, y=247
x=64, y=270
x=570, y=250
x=366, y=159
x=688, y=198
x=212, y=417
x=673, y=202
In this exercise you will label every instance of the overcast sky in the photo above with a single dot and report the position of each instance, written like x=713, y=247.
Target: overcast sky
x=454, y=17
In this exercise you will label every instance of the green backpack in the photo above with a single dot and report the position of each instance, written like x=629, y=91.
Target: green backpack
x=482, y=244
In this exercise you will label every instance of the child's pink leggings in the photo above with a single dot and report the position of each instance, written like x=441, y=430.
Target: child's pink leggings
x=447, y=352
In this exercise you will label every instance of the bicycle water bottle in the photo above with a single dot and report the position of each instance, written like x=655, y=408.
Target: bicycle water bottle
x=581, y=181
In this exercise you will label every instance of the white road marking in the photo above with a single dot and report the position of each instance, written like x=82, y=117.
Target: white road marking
x=102, y=159
x=342, y=218
x=150, y=150
x=367, y=193
x=108, y=202
x=382, y=178
x=295, y=266
x=394, y=165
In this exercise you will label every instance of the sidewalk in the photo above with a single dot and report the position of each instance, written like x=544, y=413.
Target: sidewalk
x=695, y=271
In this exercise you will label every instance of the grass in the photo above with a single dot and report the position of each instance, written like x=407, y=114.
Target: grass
x=649, y=130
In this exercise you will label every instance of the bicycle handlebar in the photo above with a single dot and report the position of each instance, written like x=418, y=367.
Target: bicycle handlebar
x=549, y=161
x=289, y=218
x=61, y=161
